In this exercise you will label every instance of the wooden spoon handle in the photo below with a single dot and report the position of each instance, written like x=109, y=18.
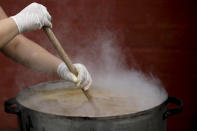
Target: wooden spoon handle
x=63, y=55
x=60, y=50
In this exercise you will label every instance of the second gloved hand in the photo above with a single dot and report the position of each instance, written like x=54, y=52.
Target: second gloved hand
x=32, y=17
x=83, y=80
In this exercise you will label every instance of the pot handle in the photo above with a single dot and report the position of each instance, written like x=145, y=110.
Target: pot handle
x=175, y=110
x=11, y=106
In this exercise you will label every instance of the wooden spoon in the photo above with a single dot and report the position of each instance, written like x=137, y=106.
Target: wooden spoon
x=63, y=55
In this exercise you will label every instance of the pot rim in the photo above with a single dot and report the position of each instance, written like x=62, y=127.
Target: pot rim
x=130, y=115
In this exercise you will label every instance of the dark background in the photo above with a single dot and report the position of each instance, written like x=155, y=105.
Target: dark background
x=160, y=35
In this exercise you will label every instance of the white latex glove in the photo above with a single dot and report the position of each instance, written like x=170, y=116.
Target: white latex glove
x=83, y=80
x=32, y=17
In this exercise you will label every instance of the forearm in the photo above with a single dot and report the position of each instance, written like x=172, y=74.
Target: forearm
x=30, y=54
x=8, y=30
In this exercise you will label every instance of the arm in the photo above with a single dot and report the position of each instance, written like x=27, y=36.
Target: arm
x=30, y=54
x=8, y=30
x=27, y=52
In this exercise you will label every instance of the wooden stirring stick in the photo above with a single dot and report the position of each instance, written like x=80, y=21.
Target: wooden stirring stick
x=63, y=55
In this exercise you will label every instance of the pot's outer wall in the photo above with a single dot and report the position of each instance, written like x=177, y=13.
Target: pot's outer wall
x=152, y=120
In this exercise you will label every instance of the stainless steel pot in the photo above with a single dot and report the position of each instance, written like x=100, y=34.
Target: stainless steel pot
x=153, y=119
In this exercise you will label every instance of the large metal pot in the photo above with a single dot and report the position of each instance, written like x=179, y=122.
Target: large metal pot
x=153, y=119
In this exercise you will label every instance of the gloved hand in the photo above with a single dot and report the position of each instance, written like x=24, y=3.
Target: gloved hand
x=83, y=80
x=32, y=17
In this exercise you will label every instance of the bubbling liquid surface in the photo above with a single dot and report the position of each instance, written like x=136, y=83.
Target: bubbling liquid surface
x=70, y=101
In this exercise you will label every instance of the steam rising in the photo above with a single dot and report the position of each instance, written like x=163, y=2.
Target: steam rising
x=106, y=64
